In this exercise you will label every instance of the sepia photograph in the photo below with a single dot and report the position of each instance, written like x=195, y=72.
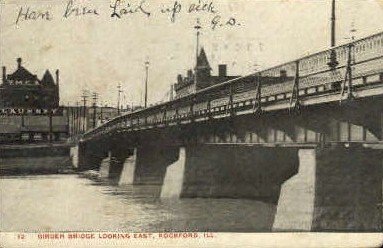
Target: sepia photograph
x=191, y=123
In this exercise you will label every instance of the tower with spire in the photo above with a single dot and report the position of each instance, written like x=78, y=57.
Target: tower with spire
x=202, y=70
x=201, y=77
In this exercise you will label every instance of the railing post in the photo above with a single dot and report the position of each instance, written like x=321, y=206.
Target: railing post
x=347, y=83
x=192, y=108
x=177, y=116
x=164, y=116
x=257, y=107
x=295, y=101
x=209, y=108
x=230, y=104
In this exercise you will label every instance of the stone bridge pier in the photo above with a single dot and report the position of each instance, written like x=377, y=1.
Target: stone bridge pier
x=329, y=188
x=90, y=155
x=336, y=188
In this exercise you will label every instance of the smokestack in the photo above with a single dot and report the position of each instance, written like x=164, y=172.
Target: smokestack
x=4, y=74
x=19, y=62
x=222, y=70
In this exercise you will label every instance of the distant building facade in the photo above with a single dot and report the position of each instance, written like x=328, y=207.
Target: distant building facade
x=29, y=106
x=22, y=89
x=201, y=77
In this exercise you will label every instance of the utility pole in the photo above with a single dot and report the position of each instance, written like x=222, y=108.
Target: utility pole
x=77, y=128
x=146, y=82
x=68, y=119
x=101, y=114
x=353, y=31
x=333, y=63
x=94, y=97
x=84, y=100
x=71, y=120
x=197, y=27
x=118, y=99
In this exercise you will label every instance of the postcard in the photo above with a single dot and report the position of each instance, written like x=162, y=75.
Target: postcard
x=191, y=123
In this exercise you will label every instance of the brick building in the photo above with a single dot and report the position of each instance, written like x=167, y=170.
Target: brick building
x=201, y=77
x=29, y=106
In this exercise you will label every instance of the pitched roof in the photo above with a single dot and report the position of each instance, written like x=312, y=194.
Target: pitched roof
x=22, y=74
x=202, y=61
x=47, y=79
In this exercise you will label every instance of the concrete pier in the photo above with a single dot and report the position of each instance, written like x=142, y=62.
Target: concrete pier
x=238, y=172
x=335, y=189
x=74, y=156
x=295, y=207
x=129, y=168
x=174, y=177
x=105, y=167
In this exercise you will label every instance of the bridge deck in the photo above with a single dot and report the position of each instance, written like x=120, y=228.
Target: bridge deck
x=313, y=82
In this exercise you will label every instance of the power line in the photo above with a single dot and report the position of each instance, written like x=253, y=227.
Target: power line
x=84, y=97
x=94, y=98
x=118, y=99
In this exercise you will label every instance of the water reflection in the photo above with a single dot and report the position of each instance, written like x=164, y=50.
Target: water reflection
x=71, y=203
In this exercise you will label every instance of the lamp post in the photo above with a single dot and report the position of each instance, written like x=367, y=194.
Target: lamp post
x=197, y=27
x=84, y=99
x=333, y=63
x=118, y=99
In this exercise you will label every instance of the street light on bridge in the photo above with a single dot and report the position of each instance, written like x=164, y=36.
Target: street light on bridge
x=197, y=27
x=333, y=63
x=146, y=82
x=118, y=99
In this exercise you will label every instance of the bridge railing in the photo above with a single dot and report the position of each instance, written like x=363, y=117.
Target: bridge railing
x=276, y=85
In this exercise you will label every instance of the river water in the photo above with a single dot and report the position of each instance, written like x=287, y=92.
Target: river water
x=72, y=203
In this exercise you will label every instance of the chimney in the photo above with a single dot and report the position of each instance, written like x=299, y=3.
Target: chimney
x=283, y=73
x=57, y=76
x=4, y=74
x=222, y=70
x=190, y=74
x=18, y=62
x=179, y=78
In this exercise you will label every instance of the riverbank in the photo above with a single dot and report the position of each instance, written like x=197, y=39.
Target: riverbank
x=26, y=159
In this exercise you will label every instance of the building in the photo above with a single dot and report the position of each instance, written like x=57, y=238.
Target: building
x=201, y=77
x=22, y=89
x=29, y=107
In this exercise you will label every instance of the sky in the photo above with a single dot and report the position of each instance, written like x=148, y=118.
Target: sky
x=95, y=53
